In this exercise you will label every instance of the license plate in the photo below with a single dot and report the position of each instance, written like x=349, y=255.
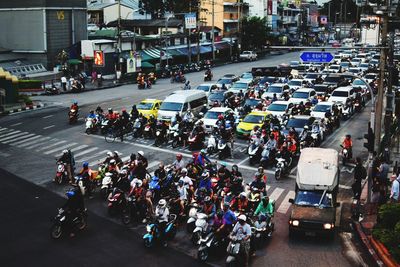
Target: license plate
x=310, y=233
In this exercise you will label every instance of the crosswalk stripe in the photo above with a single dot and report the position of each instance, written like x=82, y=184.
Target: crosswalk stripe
x=73, y=150
x=100, y=160
x=36, y=143
x=51, y=145
x=125, y=158
x=101, y=153
x=11, y=132
x=3, y=129
x=77, y=155
x=12, y=136
x=267, y=187
x=59, y=148
x=285, y=205
x=18, y=138
x=276, y=193
x=27, y=140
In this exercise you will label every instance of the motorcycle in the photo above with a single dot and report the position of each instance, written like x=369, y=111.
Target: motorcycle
x=208, y=76
x=211, y=144
x=62, y=224
x=104, y=126
x=178, y=79
x=53, y=90
x=195, y=140
x=137, y=129
x=153, y=234
x=211, y=243
x=191, y=222
x=148, y=131
x=345, y=155
x=72, y=116
x=90, y=126
x=254, y=151
x=267, y=156
x=224, y=150
x=282, y=167
x=117, y=203
x=159, y=137
x=61, y=174
x=254, y=198
x=106, y=186
x=201, y=227
x=234, y=253
x=357, y=106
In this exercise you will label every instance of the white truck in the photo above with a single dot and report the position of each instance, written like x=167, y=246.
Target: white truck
x=248, y=56
x=317, y=184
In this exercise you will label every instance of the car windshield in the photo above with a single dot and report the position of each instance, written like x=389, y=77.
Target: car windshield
x=247, y=76
x=294, y=63
x=217, y=96
x=320, y=89
x=145, y=106
x=300, y=95
x=353, y=70
x=253, y=119
x=296, y=123
x=370, y=76
x=295, y=83
x=334, y=67
x=212, y=115
x=203, y=88
x=332, y=79
x=340, y=93
x=356, y=60
x=358, y=82
x=224, y=81
x=239, y=85
x=344, y=64
x=252, y=102
x=274, y=89
x=313, y=198
x=171, y=106
x=322, y=108
x=277, y=107
x=364, y=65
x=268, y=80
x=312, y=76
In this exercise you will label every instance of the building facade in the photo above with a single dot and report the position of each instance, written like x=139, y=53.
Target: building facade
x=40, y=29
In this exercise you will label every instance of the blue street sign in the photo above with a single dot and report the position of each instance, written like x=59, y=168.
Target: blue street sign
x=319, y=57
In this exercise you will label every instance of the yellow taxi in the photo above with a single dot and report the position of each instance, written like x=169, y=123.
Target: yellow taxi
x=252, y=119
x=149, y=107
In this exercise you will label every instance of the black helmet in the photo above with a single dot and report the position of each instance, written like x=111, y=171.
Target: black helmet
x=235, y=168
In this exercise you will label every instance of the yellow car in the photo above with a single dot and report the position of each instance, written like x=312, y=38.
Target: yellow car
x=149, y=107
x=247, y=124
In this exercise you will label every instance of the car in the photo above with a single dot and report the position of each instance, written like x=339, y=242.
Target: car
x=355, y=62
x=237, y=86
x=279, y=108
x=252, y=102
x=298, y=122
x=342, y=94
x=337, y=58
x=251, y=120
x=149, y=107
x=362, y=87
x=207, y=87
x=302, y=95
x=275, y=88
x=216, y=96
x=248, y=56
x=363, y=67
x=246, y=77
x=322, y=90
x=334, y=68
x=310, y=77
x=345, y=65
x=369, y=77
x=231, y=76
x=332, y=80
x=321, y=108
x=266, y=80
x=227, y=81
x=374, y=63
x=355, y=70
x=211, y=117
x=295, y=84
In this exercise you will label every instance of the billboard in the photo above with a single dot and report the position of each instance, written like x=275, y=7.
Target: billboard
x=190, y=21
x=99, y=58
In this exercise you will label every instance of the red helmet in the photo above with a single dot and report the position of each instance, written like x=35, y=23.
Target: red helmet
x=179, y=156
x=220, y=117
x=124, y=110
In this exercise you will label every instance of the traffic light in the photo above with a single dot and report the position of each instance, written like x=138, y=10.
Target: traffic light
x=370, y=139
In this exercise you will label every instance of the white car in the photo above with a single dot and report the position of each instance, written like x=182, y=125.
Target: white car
x=369, y=77
x=363, y=67
x=239, y=85
x=355, y=62
x=295, y=84
x=334, y=68
x=345, y=65
x=248, y=55
x=246, y=77
x=211, y=117
x=321, y=108
x=342, y=94
x=275, y=88
x=302, y=95
x=207, y=87
x=310, y=77
x=355, y=70
x=279, y=108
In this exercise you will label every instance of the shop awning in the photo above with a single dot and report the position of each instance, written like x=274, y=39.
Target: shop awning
x=147, y=65
x=74, y=61
x=222, y=45
x=175, y=52
x=146, y=57
x=155, y=53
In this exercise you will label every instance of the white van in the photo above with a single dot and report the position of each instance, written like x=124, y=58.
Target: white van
x=181, y=101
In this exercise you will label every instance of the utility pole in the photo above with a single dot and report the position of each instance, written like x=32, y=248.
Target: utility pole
x=389, y=93
x=119, y=42
x=189, y=37
x=212, y=30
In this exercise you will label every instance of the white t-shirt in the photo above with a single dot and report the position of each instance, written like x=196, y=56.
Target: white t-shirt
x=63, y=79
x=182, y=192
x=241, y=231
x=187, y=181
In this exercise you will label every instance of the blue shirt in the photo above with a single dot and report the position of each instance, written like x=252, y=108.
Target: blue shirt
x=229, y=217
x=206, y=183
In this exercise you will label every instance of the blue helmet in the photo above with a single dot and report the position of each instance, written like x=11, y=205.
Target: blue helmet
x=70, y=193
x=85, y=165
x=75, y=102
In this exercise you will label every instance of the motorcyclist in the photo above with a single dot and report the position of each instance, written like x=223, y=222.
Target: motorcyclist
x=141, y=168
x=187, y=85
x=179, y=163
x=134, y=113
x=160, y=172
x=200, y=158
x=285, y=153
x=265, y=208
x=205, y=181
x=242, y=233
x=204, y=109
x=220, y=121
x=229, y=219
x=162, y=213
x=117, y=159
x=224, y=175
x=209, y=208
x=92, y=115
x=183, y=196
x=74, y=106
x=109, y=157
x=348, y=144
x=240, y=203
x=74, y=207
x=188, y=116
x=258, y=183
x=68, y=159
x=235, y=171
x=111, y=116
x=86, y=174
x=125, y=117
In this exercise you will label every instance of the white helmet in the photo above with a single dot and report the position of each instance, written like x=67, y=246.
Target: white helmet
x=112, y=161
x=109, y=154
x=139, y=183
x=242, y=217
x=116, y=153
x=162, y=203
x=65, y=151
x=141, y=153
x=184, y=170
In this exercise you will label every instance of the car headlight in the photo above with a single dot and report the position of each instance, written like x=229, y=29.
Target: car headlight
x=328, y=226
x=295, y=223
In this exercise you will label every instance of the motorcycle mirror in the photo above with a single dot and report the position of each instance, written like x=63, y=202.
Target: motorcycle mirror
x=291, y=200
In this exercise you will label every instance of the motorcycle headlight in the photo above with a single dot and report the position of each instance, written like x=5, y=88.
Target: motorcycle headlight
x=328, y=226
x=62, y=219
x=148, y=228
x=294, y=223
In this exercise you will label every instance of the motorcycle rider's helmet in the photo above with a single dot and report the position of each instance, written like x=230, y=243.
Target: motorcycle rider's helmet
x=112, y=162
x=257, y=175
x=109, y=154
x=348, y=136
x=140, y=153
x=124, y=172
x=203, y=152
x=276, y=128
x=243, y=195
x=162, y=203
x=179, y=156
x=110, y=110
x=242, y=217
x=85, y=165
x=137, y=120
x=123, y=110
x=305, y=127
x=133, y=156
x=223, y=164
x=207, y=199
x=220, y=117
x=75, y=102
x=180, y=182
x=70, y=193
x=228, y=125
x=205, y=175
x=184, y=170
x=116, y=153
x=235, y=168
x=138, y=183
x=91, y=112
x=65, y=151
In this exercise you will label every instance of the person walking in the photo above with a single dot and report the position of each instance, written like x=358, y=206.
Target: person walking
x=395, y=189
x=360, y=173
x=64, y=83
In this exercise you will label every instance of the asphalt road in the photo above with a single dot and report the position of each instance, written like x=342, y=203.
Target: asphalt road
x=29, y=143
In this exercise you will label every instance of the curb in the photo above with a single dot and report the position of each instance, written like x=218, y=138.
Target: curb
x=367, y=244
x=33, y=107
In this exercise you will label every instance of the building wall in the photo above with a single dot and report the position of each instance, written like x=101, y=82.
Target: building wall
x=42, y=3
x=257, y=8
x=111, y=13
x=206, y=15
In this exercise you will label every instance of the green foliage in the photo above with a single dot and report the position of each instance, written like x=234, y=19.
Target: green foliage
x=254, y=33
x=389, y=215
x=25, y=99
x=157, y=8
x=30, y=84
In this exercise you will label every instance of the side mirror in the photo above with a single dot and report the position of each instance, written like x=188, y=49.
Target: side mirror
x=291, y=200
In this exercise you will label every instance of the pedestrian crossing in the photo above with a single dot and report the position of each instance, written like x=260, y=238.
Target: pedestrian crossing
x=95, y=155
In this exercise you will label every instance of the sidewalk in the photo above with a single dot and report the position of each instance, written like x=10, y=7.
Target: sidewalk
x=18, y=107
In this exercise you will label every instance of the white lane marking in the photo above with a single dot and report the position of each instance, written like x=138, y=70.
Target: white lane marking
x=285, y=205
x=344, y=186
x=27, y=140
x=3, y=129
x=36, y=143
x=10, y=133
x=48, y=127
x=243, y=161
x=4, y=154
x=240, y=144
x=51, y=145
x=85, y=152
x=101, y=153
x=153, y=164
x=12, y=136
x=60, y=148
x=276, y=193
x=48, y=116
x=243, y=150
x=73, y=149
x=16, y=124
x=18, y=138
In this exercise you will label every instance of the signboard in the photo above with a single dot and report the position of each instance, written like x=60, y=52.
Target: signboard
x=99, y=58
x=269, y=7
x=130, y=65
x=190, y=21
x=319, y=57
x=274, y=7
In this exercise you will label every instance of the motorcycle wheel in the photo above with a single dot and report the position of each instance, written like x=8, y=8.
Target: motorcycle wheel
x=172, y=234
x=56, y=231
x=190, y=227
x=126, y=217
x=344, y=161
x=278, y=174
x=88, y=131
x=202, y=253
x=157, y=142
x=147, y=243
x=220, y=155
x=82, y=224
x=175, y=143
x=103, y=193
x=110, y=137
x=196, y=237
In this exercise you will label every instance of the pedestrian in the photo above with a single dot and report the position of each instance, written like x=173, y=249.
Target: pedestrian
x=394, y=190
x=383, y=174
x=360, y=173
x=94, y=76
x=71, y=82
x=64, y=83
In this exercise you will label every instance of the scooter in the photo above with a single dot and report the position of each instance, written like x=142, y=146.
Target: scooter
x=254, y=152
x=61, y=223
x=159, y=137
x=72, y=116
x=106, y=186
x=153, y=234
x=224, y=150
x=104, y=126
x=194, y=141
x=201, y=227
x=234, y=253
x=90, y=126
x=137, y=129
x=61, y=174
x=191, y=222
x=281, y=166
x=345, y=155
x=211, y=144
x=267, y=157
x=208, y=245
x=117, y=203
x=147, y=132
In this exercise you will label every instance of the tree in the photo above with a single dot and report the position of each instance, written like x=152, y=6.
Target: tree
x=157, y=8
x=254, y=33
